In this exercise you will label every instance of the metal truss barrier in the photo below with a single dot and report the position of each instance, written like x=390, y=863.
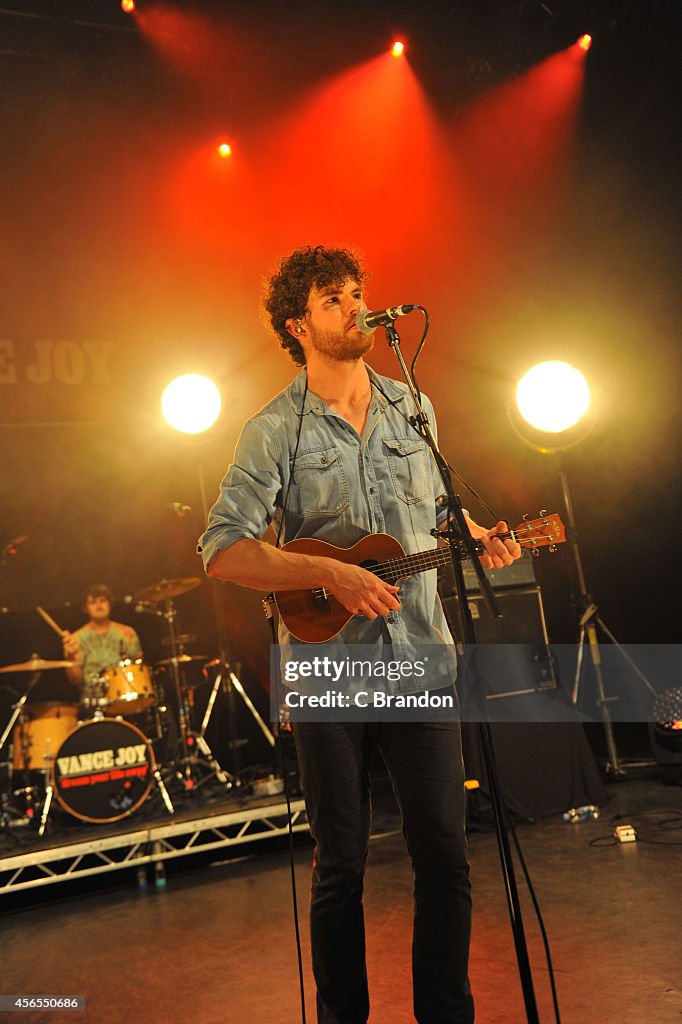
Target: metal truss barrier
x=94, y=856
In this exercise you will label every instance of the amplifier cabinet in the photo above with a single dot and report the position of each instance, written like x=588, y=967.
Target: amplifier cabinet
x=514, y=654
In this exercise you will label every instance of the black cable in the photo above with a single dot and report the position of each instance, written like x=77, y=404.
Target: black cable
x=278, y=701
x=420, y=346
x=538, y=915
x=290, y=830
x=665, y=825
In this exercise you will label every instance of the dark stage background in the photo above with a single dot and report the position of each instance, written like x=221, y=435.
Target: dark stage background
x=525, y=194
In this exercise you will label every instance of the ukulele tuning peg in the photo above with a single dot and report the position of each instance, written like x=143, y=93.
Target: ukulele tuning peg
x=535, y=552
x=552, y=548
x=525, y=517
x=542, y=512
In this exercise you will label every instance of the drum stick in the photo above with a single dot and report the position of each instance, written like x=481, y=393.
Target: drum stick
x=50, y=621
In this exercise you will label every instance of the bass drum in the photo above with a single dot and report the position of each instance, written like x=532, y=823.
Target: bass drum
x=103, y=771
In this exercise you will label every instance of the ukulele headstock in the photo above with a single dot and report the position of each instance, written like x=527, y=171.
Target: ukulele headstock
x=545, y=532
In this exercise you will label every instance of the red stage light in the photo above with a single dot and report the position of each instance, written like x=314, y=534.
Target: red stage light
x=225, y=150
x=398, y=49
x=128, y=6
x=585, y=42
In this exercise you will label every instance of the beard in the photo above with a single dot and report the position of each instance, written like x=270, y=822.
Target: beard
x=342, y=347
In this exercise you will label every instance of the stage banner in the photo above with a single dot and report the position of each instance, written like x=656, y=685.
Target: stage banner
x=59, y=381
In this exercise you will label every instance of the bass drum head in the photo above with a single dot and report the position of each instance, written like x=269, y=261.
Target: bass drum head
x=103, y=770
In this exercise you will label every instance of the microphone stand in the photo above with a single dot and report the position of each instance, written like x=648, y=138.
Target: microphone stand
x=461, y=542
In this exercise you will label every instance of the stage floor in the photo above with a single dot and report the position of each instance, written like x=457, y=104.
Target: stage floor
x=216, y=945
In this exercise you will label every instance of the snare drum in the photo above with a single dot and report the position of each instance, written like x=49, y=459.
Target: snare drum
x=103, y=771
x=129, y=688
x=40, y=732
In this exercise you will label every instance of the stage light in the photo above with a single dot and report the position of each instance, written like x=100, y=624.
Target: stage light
x=665, y=733
x=585, y=42
x=553, y=396
x=551, y=415
x=191, y=403
x=128, y=6
x=398, y=49
x=225, y=150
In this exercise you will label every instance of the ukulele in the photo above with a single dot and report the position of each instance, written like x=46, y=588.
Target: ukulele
x=315, y=616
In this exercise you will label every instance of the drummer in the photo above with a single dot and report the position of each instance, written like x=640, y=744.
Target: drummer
x=101, y=642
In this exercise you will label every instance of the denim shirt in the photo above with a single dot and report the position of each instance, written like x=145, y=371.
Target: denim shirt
x=343, y=487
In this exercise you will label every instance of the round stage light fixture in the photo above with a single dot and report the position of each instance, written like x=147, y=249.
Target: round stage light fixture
x=553, y=396
x=191, y=403
x=552, y=414
x=128, y=6
x=665, y=733
x=224, y=150
x=398, y=49
x=585, y=42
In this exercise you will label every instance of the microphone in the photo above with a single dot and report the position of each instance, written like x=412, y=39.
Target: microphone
x=179, y=508
x=367, y=322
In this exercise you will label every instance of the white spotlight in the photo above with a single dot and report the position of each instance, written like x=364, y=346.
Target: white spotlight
x=553, y=396
x=191, y=403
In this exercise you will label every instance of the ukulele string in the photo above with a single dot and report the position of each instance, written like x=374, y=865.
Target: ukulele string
x=394, y=569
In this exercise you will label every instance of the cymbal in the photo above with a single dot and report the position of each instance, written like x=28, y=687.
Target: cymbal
x=165, y=589
x=36, y=665
x=183, y=659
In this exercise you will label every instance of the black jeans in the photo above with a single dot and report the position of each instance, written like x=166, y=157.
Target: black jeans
x=424, y=761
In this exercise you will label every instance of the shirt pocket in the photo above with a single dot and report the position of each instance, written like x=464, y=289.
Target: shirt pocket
x=321, y=481
x=407, y=464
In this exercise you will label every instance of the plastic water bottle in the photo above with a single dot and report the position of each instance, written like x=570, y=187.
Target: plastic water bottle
x=588, y=812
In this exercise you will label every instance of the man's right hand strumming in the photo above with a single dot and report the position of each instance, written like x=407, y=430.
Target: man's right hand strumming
x=360, y=591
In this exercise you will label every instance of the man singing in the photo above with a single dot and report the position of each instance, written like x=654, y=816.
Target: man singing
x=334, y=457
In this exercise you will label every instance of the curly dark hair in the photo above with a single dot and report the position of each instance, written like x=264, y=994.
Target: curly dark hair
x=98, y=590
x=287, y=290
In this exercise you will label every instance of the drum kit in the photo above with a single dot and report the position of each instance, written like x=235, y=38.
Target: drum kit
x=98, y=764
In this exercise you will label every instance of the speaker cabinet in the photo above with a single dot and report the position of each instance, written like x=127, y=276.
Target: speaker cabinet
x=545, y=767
x=514, y=655
x=522, y=622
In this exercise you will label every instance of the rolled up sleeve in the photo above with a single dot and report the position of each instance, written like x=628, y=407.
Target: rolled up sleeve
x=248, y=493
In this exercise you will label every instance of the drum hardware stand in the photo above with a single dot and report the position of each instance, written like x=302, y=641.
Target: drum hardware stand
x=226, y=676
x=28, y=791
x=47, y=804
x=230, y=681
x=161, y=786
x=183, y=768
x=196, y=740
x=19, y=707
x=11, y=818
